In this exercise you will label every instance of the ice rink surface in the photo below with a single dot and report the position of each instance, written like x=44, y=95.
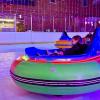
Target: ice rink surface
x=9, y=90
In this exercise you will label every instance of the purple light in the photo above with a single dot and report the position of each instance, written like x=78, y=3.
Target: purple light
x=88, y=22
x=85, y=22
x=99, y=21
x=20, y=16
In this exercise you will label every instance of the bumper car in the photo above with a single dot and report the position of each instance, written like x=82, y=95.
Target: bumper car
x=59, y=75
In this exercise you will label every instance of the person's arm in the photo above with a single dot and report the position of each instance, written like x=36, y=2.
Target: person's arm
x=48, y=52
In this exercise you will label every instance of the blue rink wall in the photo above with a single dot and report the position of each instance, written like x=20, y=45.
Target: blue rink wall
x=28, y=37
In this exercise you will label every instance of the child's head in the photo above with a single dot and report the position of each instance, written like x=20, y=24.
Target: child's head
x=76, y=39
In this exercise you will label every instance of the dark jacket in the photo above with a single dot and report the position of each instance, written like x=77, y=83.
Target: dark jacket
x=76, y=49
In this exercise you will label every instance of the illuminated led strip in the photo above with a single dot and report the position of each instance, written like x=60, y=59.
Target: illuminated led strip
x=56, y=83
x=96, y=58
x=7, y=20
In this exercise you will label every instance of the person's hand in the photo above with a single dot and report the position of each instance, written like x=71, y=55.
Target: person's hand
x=48, y=52
x=61, y=53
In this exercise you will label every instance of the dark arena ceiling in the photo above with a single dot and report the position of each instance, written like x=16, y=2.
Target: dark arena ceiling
x=55, y=7
x=49, y=14
x=19, y=2
x=32, y=2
